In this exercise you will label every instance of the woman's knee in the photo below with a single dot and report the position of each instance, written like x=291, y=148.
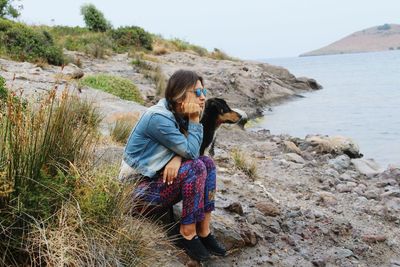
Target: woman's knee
x=208, y=162
x=199, y=167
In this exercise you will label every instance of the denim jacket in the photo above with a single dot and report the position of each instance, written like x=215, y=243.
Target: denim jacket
x=156, y=139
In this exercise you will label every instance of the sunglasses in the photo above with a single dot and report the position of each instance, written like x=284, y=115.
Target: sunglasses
x=198, y=91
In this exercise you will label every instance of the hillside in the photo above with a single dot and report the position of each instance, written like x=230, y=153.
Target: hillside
x=378, y=38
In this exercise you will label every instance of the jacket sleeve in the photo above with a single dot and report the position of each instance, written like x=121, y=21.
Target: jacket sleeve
x=163, y=130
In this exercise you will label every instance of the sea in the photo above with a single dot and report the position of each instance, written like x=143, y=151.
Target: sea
x=360, y=99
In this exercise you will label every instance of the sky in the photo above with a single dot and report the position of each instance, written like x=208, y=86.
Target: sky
x=252, y=29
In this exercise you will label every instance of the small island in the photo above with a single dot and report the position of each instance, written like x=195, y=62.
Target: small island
x=379, y=38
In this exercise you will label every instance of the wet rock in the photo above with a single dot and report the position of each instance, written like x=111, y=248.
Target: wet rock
x=268, y=208
x=235, y=207
x=373, y=238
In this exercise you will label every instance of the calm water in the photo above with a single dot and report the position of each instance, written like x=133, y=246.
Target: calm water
x=360, y=99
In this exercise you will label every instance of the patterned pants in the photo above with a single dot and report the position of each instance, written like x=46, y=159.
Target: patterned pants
x=195, y=186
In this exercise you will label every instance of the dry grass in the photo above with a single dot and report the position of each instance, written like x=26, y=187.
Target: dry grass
x=123, y=126
x=244, y=163
x=79, y=238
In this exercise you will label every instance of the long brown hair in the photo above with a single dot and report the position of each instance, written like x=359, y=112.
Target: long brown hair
x=177, y=85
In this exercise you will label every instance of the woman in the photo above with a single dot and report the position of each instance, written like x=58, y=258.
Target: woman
x=164, y=149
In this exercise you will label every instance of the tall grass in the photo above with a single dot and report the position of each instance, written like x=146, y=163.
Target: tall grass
x=38, y=144
x=123, y=126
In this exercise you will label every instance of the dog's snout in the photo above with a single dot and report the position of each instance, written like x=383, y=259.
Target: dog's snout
x=242, y=115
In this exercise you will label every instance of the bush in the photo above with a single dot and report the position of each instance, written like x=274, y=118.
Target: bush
x=132, y=36
x=94, y=18
x=21, y=42
x=384, y=27
x=115, y=85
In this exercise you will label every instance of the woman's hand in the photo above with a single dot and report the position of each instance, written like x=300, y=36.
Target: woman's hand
x=171, y=169
x=191, y=108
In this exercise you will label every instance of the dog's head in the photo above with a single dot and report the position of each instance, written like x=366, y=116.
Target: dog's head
x=219, y=108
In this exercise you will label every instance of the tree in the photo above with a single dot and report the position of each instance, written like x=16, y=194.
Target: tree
x=94, y=18
x=8, y=10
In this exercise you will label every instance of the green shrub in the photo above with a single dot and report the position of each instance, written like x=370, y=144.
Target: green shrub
x=94, y=18
x=115, y=85
x=132, y=36
x=94, y=44
x=22, y=43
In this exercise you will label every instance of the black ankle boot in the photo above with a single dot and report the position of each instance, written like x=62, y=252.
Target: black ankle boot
x=213, y=246
x=194, y=248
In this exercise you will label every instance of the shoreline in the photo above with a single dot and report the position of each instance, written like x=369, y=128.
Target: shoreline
x=308, y=204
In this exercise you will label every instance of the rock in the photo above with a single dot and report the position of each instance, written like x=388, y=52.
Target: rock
x=228, y=236
x=273, y=226
x=340, y=163
x=373, y=238
x=249, y=237
x=391, y=193
x=372, y=194
x=268, y=208
x=326, y=198
x=331, y=172
x=367, y=167
x=336, y=145
x=344, y=188
x=235, y=207
x=77, y=74
x=291, y=147
x=337, y=253
x=319, y=262
x=294, y=158
x=392, y=172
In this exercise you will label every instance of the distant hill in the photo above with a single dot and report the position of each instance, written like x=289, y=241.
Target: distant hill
x=378, y=38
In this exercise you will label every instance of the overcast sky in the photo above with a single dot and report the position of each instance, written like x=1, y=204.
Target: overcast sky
x=252, y=29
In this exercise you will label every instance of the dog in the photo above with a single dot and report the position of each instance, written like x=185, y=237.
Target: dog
x=217, y=112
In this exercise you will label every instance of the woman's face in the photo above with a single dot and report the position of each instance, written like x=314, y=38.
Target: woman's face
x=191, y=96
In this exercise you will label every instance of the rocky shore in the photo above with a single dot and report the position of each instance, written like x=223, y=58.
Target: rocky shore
x=308, y=204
